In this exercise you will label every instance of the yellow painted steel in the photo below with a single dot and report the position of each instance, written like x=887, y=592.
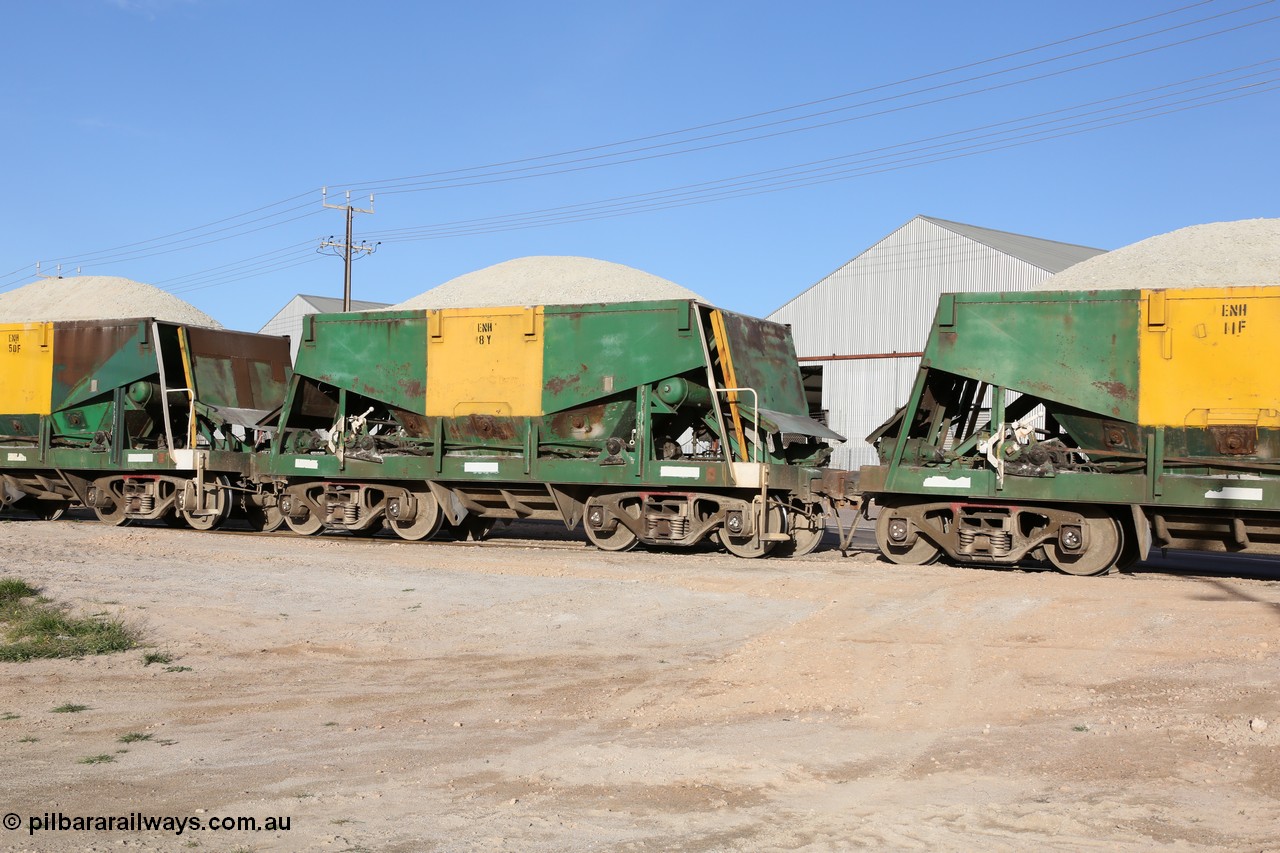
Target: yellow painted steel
x=484, y=361
x=26, y=368
x=185, y=347
x=1208, y=356
x=730, y=379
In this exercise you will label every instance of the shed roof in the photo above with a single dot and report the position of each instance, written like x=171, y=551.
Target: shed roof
x=333, y=305
x=1049, y=255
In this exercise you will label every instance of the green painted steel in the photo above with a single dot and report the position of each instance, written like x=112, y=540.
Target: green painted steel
x=92, y=358
x=631, y=414
x=1082, y=352
x=1075, y=353
x=621, y=385
x=593, y=352
x=769, y=364
x=108, y=407
x=381, y=354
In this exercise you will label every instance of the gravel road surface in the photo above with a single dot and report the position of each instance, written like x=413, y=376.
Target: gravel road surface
x=532, y=694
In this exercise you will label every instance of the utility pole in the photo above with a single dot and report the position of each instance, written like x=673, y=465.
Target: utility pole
x=348, y=249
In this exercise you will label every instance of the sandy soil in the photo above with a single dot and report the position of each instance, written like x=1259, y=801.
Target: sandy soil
x=541, y=696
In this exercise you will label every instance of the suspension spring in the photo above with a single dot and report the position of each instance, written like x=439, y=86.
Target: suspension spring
x=667, y=527
x=1001, y=543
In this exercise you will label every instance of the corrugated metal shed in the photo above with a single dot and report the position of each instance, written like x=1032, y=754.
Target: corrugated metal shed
x=288, y=320
x=866, y=322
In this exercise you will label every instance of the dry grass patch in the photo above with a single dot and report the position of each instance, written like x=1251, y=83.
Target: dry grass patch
x=33, y=627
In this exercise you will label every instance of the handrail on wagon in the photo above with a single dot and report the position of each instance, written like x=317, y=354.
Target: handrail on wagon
x=755, y=407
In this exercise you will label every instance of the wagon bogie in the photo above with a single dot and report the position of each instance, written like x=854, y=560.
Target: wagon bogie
x=744, y=525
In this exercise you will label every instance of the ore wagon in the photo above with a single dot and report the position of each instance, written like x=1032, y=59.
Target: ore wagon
x=137, y=418
x=666, y=423
x=1083, y=428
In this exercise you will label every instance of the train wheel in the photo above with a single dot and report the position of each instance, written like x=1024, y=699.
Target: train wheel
x=750, y=547
x=475, y=528
x=368, y=532
x=115, y=513
x=263, y=519
x=806, y=535
x=620, y=538
x=220, y=497
x=921, y=552
x=43, y=509
x=425, y=524
x=1105, y=545
x=1129, y=553
x=308, y=526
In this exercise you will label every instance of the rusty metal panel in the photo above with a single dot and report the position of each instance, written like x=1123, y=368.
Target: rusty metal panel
x=238, y=369
x=765, y=359
x=92, y=358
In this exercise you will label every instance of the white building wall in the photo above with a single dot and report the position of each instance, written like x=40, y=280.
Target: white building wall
x=883, y=300
x=288, y=321
x=861, y=395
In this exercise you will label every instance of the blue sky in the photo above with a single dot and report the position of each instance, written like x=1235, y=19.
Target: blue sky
x=197, y=135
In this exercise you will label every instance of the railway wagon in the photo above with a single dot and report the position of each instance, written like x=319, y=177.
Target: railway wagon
x=662, y=422
x=1084, y=427
x=136, y=418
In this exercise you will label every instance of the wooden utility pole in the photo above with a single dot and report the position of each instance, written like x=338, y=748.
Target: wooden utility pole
x=348, y=249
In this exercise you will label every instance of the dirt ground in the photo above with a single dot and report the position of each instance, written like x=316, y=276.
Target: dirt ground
x=532, y=694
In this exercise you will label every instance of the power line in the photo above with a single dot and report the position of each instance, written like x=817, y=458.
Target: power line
x=235, y=266
x=888, y=166
x=110, y=254
x=202, y=235
x=500, y=176
x=795, y=176
x=645, y=201
x=103, y=255
x=377, y=184
x=311, y=257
